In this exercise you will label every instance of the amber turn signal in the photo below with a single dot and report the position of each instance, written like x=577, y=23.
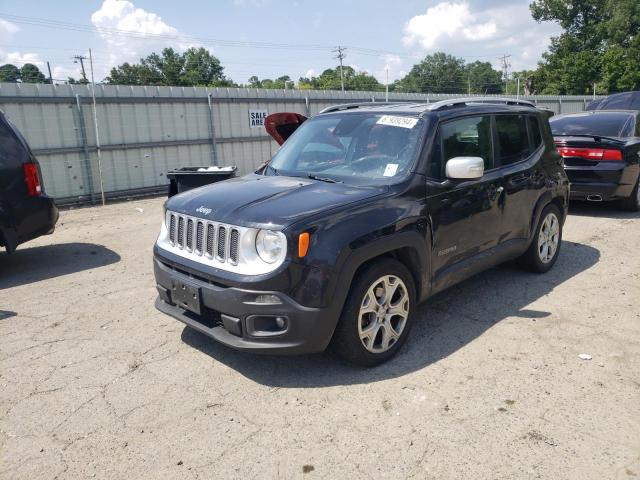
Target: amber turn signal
x=303, y=244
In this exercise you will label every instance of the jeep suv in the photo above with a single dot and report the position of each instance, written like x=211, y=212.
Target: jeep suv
x=364, y=212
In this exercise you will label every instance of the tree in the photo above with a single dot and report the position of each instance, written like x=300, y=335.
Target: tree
x=437, y=73
x=9, y=73
x=330, y=80
x=279, y=83
x=600, y=44
x=29, y=73
x=482, y=78
x=194, y=67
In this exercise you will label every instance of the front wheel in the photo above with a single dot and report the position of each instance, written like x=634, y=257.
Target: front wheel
x=545, y=247
x=377, y=315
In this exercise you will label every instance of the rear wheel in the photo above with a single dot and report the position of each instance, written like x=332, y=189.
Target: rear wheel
x=377, y=315
x=543, y=251
x=632, y=203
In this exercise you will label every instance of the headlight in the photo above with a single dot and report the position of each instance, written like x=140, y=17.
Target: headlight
x=269, y=245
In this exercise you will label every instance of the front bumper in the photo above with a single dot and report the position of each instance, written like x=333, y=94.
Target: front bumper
x=605, y=180
x=231, y=315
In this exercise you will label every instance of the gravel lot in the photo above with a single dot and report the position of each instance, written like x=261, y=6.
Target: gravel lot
x=96, y=383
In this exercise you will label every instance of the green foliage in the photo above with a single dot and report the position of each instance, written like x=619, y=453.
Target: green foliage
x=330, y=80
x=279, y=83
x=194, y=67
x=437, y=73
x=483, y=79
x=29, y=73
x=600, y=44
x=9, y=73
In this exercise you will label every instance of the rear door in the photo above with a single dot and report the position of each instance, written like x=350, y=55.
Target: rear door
x=519, y=149
x=465, y=214
x=13, y=190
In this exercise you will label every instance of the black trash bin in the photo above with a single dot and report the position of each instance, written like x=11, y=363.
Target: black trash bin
x=186, y=178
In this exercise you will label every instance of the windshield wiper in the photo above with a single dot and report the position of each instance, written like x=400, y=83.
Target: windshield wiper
x=322, y=179
x=274, y=170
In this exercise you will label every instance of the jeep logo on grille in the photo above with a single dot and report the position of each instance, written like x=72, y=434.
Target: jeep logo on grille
x=204, y=210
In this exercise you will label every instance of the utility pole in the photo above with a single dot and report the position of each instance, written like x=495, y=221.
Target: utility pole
x=505, y=71
x=80, y=58
x=469, y=79
x=340, y=55
x=594, y=90
x=95, y=124
x=50, y=77
x=387, y=87
x=518, y=94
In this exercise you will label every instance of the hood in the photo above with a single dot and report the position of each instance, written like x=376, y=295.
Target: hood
x=259, y=201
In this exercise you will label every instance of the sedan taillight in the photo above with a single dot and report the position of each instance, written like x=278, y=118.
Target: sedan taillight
x=595, y=154
x=32, y=179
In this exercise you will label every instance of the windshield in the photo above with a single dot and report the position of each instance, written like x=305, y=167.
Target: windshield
x=351, y=148
x=617, y=124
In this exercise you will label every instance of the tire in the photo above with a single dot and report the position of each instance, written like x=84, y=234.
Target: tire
x=632, y=204
x=382, y=332
x=537, y=259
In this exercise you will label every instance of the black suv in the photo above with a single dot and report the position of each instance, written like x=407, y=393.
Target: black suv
x=363, y=213
x=26, y=212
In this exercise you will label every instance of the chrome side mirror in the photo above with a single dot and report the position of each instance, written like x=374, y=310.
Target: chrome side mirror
x=465, y=168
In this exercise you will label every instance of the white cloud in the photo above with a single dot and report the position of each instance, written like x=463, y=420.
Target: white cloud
x=310, y=73
x=480, y=31
x=149, y=32
x=446, y=19
x=7, y=30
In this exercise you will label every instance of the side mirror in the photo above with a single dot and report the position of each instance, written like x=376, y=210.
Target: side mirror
x=465, y=168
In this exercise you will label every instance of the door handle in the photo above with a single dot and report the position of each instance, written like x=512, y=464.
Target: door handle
x=495, y=193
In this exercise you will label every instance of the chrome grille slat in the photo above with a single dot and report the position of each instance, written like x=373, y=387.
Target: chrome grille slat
x=234, y=244
x=181, y=232
x=221, y=251
x=190, y=235
x=211, y=231
x=172, y=229
x=199, y=237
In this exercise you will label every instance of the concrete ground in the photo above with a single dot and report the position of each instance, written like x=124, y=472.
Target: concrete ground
x=96, y=383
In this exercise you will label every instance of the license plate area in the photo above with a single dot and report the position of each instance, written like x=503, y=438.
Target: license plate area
x=186, y=295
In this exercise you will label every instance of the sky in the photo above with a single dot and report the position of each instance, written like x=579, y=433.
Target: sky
x=270, y=38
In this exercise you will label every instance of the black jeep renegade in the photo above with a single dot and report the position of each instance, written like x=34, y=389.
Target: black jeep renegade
x=365, y=211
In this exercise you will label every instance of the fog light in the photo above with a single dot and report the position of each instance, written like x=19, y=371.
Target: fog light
x=280, y=322
x=268, y=300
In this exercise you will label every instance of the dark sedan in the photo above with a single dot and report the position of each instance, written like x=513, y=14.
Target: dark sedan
x=601, y=151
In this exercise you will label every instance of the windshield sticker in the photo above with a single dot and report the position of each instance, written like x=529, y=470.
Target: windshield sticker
x=391, y=170
x=393, y=121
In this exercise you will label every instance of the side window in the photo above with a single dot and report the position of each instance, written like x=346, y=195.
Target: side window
x=467, y=137
x=534, y=128
x=513, y=140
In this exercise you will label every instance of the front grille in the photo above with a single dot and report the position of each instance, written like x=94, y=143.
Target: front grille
x=200, y=237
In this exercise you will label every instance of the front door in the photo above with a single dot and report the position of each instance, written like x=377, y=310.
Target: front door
x=465, y=215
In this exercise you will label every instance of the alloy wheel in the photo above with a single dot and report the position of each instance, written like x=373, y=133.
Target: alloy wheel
x=383, y=314
x=548, y=238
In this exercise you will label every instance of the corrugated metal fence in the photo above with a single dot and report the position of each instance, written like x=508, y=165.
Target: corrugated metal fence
x=144, y=132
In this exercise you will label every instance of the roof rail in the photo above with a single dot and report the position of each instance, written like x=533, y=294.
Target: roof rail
x=471, y=100
x=350, y=106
